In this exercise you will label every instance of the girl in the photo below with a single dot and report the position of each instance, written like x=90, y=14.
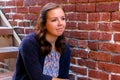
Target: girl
x=44, y=54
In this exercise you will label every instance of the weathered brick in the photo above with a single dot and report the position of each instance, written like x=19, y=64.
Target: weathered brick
x=87, y=26
x=106, y=7
x=94, y=35
x=115, y=16
x=116, y=26
x=19, y=2
x=69, y=8
x=115, y=77
x=105, y=16
x=115, y=58
x=71, y=17
x=93, y=45
x=98, y=75
x=10, y=3
x=82, y=35
x=100, y=56
x=109, y=47
x=117, y=36
x=105, y=27
x=81, y=16
x=105, y=36
x=109, y=67
x=82, y=71
x=94, y=17
x=18, y=16
x=71, y=25
x=82, y=43
x=72, y=42
x=35, y=10
x=85, y=7
x=22, y=9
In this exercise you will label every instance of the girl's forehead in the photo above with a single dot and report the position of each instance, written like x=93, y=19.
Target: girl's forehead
x=55, y=12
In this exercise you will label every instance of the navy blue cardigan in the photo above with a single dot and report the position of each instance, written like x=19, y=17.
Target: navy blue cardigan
x=30, y=63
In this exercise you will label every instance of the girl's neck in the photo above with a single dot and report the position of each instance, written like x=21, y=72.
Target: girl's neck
x=51, y=40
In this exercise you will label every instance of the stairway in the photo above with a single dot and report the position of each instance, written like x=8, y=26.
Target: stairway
x=9, y=42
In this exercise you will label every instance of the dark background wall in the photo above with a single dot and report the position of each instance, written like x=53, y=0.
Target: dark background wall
x=93, y=32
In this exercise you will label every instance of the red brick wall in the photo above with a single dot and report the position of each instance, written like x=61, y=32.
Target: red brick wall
x=93, y=31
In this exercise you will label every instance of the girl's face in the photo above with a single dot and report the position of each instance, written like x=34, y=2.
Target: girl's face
x=55, y=22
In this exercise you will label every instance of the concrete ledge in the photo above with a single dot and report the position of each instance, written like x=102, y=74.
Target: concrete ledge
x=6, y=76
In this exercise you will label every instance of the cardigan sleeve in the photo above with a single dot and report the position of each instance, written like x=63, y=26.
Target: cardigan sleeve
x=29, y=53
x=65, y=64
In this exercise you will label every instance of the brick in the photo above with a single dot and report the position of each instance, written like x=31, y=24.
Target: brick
x=81, y=16
x=115, y=68
x=2, y=3
x=116, y=16
x=31, y=16
x=79, y=53
x=18, y=16
x=98, y=75
x=87, y=26
x=82, y=71
x=116, y=26
x=109, y=47
x=19, y=30
x=82, y=44
x=72, y=60
x=82, y=78
x=72, y=42
x=105, y=16
x=22, y=9
x=78, y=1
x=6, y=10
x=27, y=31
x=35, y=10
x=85, y=7
x=88, y=63
x=94, y=17
x=100, y=56
x=10, y=3
x=30, y=2
x=81, y=62
x=99, y=0
x=93, y=45
x=24, y=24
x=115, y=77
x=67, y=33
x=105, y=27
x=94, y=35
x=105, y=7
x=69, y=8
x=13, y=23
x=115, y=58
x=71, y=17
x=71, y=25
x=117, y=36
x=72, y=77
x=91, y=64
x=19, y=2
x=82, y=35
x=73, y=34
x=105, y=36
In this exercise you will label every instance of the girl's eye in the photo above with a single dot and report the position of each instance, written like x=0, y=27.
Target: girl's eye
x=53, y=20
x=63, y=18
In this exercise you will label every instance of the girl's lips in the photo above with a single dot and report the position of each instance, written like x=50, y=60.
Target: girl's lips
x=60, y=29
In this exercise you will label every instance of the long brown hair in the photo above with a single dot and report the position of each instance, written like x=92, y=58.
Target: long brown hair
x=40, y=30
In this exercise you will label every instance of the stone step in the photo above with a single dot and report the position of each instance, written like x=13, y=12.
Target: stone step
x=8, y=57
x=5, y=31
x=6, y=76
